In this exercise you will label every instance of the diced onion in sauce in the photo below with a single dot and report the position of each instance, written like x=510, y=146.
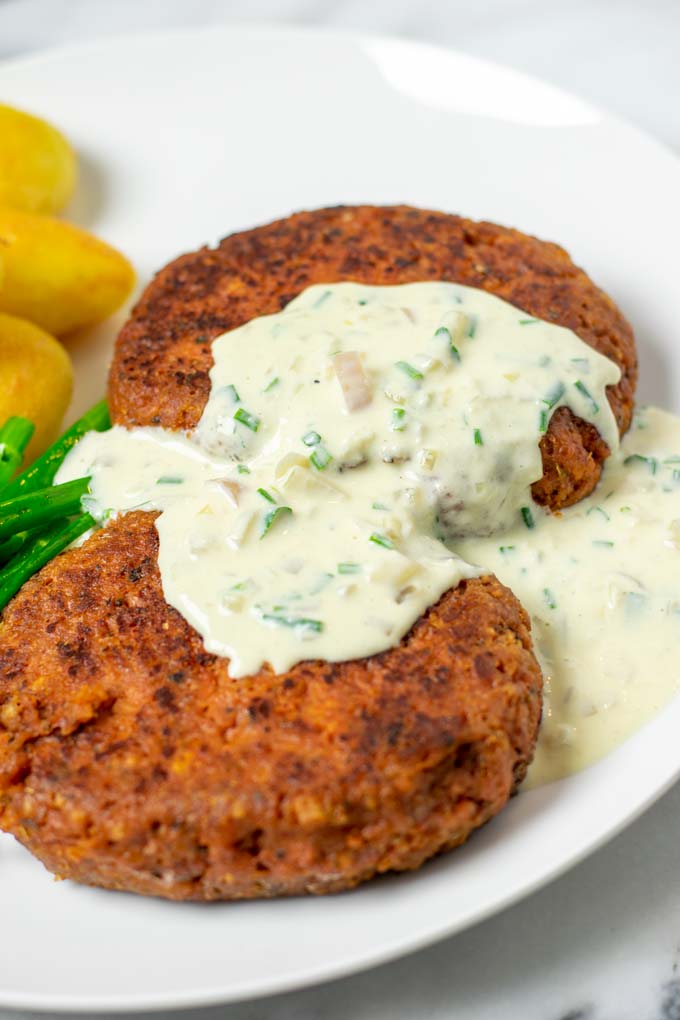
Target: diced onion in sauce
x=356, y=388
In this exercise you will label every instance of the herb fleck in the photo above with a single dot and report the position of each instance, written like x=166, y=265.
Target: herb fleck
x=398, y=422
x=409, y=370
x=246, y=418
x=349, y=568
x=637, y=458
x=528, y=517
x=272, y=517
x=583, y=389
x=294, y=621
x=382, y=540
x=321, y=458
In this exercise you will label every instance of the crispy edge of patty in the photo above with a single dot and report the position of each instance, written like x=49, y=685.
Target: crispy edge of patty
x=159, y=374
x=130, y=759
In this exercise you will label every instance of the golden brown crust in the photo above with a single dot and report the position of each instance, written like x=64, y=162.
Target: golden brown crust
x=160, y=369
x=128, y=756
x=130, y=759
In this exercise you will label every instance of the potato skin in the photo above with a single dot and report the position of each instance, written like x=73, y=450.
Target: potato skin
x=159, y=374
x=129, y=758
x=38, y=168
x=36, y=380
x=57, y=275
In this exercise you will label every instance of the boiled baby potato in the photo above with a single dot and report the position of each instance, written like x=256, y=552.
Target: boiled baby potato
x=58, y=275
x=37, y=165
x=36, y=380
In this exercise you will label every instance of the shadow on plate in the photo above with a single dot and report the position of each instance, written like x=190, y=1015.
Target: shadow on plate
x=87, y=204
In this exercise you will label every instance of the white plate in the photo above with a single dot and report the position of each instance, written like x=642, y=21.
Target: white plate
x=187, y=136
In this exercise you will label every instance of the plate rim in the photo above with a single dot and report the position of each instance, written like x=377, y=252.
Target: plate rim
x=105, y=41
x=303, y=977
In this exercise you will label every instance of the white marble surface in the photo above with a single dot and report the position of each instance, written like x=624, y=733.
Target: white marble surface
x=603, y=942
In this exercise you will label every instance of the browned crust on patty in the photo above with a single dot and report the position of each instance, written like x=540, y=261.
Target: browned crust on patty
x=128, y=756
x=130, y=759
x=160, y=370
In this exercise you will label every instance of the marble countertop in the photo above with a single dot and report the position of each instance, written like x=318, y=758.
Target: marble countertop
x=603, y=942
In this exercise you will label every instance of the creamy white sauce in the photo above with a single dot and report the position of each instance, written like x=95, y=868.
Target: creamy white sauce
x=368, y=447
x=460, y=384
x=309, y=583
x=601, y=583
x=343, y=438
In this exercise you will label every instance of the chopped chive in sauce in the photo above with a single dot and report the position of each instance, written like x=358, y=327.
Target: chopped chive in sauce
x=583, y=389
x=324, y=297
x=243, y=470
x=506, y=548
x=321, y=458
x=472, y=326
x=311, y=439
x=528, y=517
x=246, y=418
x=409, y=370
x=543, y=421
x=443, y=331
x=624, y=510
x=637, y=458
x=266, y=495
x=349, y=568
x=672, y=460
x=527, y=322
x=676, y=475
x=270, y=386
x=294, y=621
x=379, y=506
x=362, y=301
x=382, y=540
x=322, y=583
x=603, y=543
x=555, y=394
x=233, y=393
x=477, y=434
x=169, y=480
x=598, y=510
x=582, y=363
x=272, y=517
x=398, y=416
x=550, y=600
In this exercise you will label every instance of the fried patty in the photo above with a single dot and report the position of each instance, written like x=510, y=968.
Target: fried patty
x=128, y=756
x=130, y=759
x=159, y=374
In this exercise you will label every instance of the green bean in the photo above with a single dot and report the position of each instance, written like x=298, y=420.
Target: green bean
x=41, y=507
x=39, y=552
x=41, y=473
x=15, y=435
